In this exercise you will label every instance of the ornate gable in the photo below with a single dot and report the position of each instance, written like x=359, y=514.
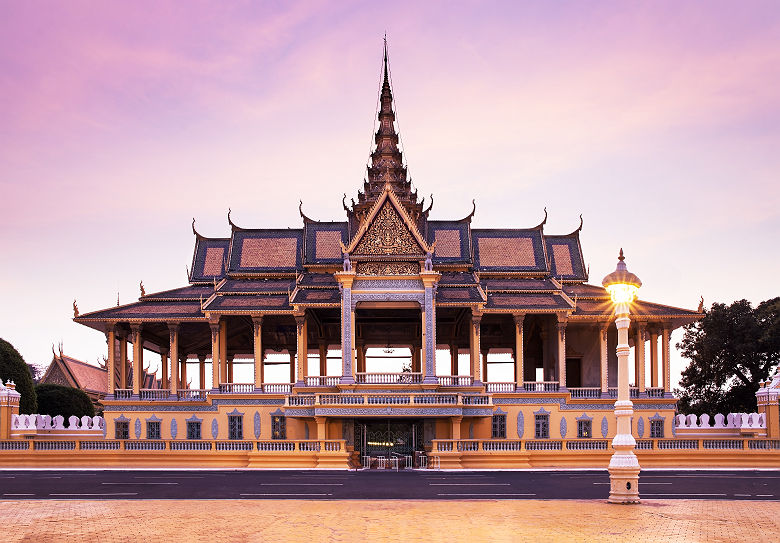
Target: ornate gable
x=388, y=235
x=388, y=231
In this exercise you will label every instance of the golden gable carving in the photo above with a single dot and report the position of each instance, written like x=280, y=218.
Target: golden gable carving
x=388, y=235
x=388, y=268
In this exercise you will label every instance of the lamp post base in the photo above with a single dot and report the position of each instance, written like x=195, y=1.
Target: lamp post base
x=624, y=478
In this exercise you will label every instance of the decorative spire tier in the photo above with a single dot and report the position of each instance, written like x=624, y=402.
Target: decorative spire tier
x=387, y=166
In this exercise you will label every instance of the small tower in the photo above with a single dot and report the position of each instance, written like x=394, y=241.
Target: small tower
x=9, y=406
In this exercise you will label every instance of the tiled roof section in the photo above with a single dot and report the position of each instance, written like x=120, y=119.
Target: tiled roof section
x=509, y=250
x=452, y=241
x=457, y=278
x=147, y=310
x=518, y=284
x=317, y=280
x=323, y=242
x=639, y=308
x=90, y=378
x=527, y=302
x=459, y=295
x=249, y=303
x=582, y=290
x=565, y=257
x=263, y=251
x=208, y=261
x=256, y=286
x=190, y=292
x=314, y=296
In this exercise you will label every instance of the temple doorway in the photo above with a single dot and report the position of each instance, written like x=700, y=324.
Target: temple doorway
x=388, y=437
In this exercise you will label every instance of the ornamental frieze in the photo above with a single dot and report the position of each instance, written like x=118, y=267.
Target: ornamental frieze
x=388, y=235
x=388, y=268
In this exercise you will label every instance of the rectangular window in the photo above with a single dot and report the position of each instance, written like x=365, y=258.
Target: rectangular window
x=499, y=427
x=278, y=427
x=193, y=429
x=656, y=429
x=153, y=429
x=542, y=426
x=235, y=427
x=122, y=430
x=584, y=429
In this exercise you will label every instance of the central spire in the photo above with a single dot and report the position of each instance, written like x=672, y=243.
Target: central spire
x=386, y=165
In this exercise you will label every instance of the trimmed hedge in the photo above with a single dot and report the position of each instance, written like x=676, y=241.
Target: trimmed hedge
x=66, y=401
x=14, y=368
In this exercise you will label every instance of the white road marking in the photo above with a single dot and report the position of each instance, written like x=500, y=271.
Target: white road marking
x=683, y=494
x=490, y=494
x=18, y=494
x=100, y=494
x=765, y=495
x=641, y=483
x=288, y=494
x=301, y=484
x=134, y=484
x=168, y=477
x=743, y=495
x=468, y=484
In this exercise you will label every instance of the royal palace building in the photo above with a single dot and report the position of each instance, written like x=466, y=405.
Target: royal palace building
x=403, y=333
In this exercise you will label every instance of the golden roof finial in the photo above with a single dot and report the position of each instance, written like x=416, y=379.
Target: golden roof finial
x=75, y=309
x=143, y=291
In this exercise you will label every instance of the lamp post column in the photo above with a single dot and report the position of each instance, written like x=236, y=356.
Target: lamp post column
x=623, y=466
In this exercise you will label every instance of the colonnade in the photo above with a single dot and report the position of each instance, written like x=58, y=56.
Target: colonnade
x=354, y=361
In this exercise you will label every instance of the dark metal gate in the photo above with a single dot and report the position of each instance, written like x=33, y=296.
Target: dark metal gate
x=388, y=437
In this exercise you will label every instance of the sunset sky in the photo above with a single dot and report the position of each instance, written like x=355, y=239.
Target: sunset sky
x=659, y=122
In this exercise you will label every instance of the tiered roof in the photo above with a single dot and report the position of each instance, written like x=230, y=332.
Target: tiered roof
x=277, y=270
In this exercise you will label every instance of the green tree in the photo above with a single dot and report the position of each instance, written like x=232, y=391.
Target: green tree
x=66, y=401
x=731, y=349
x=13, y=368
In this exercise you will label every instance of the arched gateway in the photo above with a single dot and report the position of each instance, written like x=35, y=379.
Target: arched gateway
x=501, y=337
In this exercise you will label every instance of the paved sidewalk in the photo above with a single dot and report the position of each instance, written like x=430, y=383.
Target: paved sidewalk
x=401, y=520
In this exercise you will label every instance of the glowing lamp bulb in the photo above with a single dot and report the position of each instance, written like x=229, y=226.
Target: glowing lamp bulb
x=622, y=293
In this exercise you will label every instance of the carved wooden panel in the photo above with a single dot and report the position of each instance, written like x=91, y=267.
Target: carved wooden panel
x=388, y=268
x=388, y=235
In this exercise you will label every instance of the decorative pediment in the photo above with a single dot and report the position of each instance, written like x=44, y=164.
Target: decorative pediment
x=388, y=231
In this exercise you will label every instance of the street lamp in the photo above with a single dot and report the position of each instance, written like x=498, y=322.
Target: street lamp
x=622, y=286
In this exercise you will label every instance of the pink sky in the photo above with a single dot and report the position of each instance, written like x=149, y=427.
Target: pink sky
x=119, y=122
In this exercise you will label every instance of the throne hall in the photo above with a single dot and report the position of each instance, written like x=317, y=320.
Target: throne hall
x=399, y=330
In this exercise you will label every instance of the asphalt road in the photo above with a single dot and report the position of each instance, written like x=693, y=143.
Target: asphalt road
x=334, y=485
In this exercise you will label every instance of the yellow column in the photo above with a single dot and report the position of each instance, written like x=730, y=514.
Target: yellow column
x=111, y=338
x=653, y=358
x=322, y=430
x=302, y=348
x=223, y=351
x=323, y=359
x=476, y=320
x=665, y=355
x=123, y=361
x=292, y=367
x=164, y=367
x=230, y=368
x=214, y=354
x=138, y=354
x=257, y=327
x=352, y=336
x=639, y=350
x=173, y=350
x=202, y=370
x=453, y=359
x=455, y=432
x=485, y=365
x=519, y=355
x=603, y=328
x=183, y=359
x=562, y=351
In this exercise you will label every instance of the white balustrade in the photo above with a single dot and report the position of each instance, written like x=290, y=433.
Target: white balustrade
x=388, y=378
x=585, y=392
x=322, y=381
x=154, y=394
x=455, y=380
x=500, y=387
x=192, y=394
x=236, y=388
x=277, y=388
x=541, y=386
x=190, y=445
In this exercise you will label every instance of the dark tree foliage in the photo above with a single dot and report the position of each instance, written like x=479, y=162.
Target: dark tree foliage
x=731, y=349
x=66, y=401
x=13, y=368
